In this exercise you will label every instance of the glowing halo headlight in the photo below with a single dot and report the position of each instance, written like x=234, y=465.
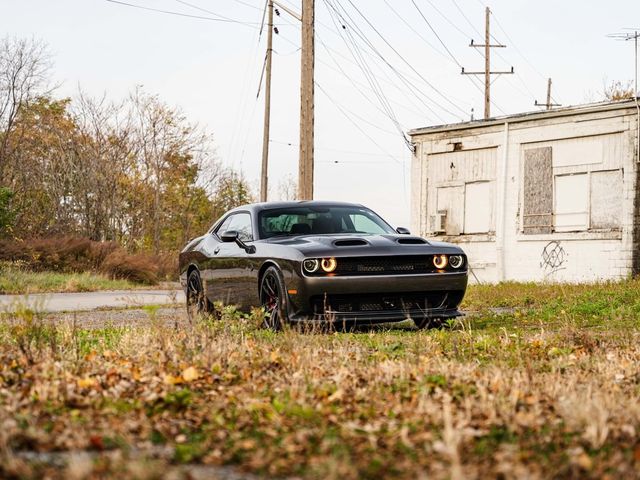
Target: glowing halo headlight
x=456, y=261
x=440, y=261
x=311, y=265
x=329, y=264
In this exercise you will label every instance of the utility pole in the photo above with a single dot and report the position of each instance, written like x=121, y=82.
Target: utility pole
x=264, y=176
x=548, y=105
x=305, y=172
x=487, y=64
x=626, y=37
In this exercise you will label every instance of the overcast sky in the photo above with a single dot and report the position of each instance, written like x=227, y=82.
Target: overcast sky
x=211, y=69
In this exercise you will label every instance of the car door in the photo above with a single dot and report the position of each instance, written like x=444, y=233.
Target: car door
x=230, y=276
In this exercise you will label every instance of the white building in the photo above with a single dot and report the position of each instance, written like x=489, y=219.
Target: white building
x=549, y=195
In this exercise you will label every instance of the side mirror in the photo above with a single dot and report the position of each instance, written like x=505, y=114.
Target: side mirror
x=403, y=231
x=229, y=236
x=233, y=236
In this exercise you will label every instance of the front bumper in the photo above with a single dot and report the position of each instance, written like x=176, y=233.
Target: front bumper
x=376, y=298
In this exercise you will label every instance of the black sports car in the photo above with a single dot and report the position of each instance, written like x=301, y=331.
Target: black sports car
x=322, y=261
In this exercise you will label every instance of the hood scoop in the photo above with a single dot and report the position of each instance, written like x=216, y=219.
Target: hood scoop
x=411, y=241
x=350, y=242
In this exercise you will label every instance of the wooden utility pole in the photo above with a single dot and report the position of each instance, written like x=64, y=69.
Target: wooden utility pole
x=487, y=64
x=548, y=105
x=305, y=172
x=264, y=176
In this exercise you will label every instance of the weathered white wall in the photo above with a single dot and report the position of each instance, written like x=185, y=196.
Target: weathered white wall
x=600, y=144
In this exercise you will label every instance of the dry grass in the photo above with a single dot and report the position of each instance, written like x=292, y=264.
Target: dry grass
x=79, y=255
x=17, y=280
x=528, y=395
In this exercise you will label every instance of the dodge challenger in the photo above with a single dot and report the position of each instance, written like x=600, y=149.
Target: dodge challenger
x=312, y=261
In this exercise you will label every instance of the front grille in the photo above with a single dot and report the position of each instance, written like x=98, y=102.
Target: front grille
x=384, y=302
x=394, y=265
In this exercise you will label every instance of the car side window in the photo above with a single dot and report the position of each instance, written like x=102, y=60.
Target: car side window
x=239, y=222
x=223, y=226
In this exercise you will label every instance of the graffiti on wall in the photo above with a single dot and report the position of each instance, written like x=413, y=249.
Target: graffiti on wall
x=553, y=258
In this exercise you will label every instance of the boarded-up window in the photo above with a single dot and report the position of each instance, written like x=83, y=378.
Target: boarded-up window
x=538, y=191
x=451, y=200
x=572, y=203
x=606, y=199
x=478, y=207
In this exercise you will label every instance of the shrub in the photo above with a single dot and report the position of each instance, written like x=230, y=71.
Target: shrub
x=137, y=268
x=72, y=254
x=7, y=215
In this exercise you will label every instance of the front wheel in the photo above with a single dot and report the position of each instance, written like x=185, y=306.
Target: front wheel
x=272, y=299
x=196, y=301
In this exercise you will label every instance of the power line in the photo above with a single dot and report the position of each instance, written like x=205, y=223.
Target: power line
x=519, y=52
x=178, y=14
x=473, y=27
x=241, y=2
x=239, y=140
x=406, y=79
x=196, y=7
x=358, y=86
x=440, y=93
x=487, y=65
x=375, y=86
x=464, y=34
x=337, y=150
x=403, y=78
x=471, y=79
x=355, y=124
x=530, y=94
x=424, y=39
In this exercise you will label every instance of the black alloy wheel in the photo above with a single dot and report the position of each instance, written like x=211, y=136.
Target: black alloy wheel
x=426, y=323
x=196, y=301
x=272, y=299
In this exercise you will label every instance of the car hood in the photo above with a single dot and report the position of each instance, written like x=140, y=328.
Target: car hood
x=348, y=245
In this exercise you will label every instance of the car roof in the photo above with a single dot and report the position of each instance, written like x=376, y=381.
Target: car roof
x=258, y=207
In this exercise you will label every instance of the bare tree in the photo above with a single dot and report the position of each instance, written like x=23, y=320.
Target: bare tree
x=102, y=158
x=169, y=149
x=287, y=188
x=619, y=90
x=24, y=75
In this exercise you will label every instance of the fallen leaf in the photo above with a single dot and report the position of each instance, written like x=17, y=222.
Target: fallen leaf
x=337, y=395
x=171, y=380
x=190, y=374
x=87, y=382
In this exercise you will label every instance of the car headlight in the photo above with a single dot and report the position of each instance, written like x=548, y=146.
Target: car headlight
x=440, y=261
x=311, y=265
x=329, y=264
x=456, y=261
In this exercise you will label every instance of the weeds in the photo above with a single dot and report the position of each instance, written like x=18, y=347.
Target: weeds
x=16, y=279
x=77, y=255
x=516, y=395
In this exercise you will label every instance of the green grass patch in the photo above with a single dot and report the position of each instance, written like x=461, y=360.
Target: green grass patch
x=16, y=280
x=548, y=389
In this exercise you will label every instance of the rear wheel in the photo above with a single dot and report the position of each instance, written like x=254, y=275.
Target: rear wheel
x=272, y=299
x=196, y=301
x=428, y=322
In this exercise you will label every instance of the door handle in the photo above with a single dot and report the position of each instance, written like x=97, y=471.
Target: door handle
x=216, y=251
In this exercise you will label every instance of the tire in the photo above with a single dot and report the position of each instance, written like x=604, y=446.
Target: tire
x=426, y=323
x=273, y=299
x=196, y=301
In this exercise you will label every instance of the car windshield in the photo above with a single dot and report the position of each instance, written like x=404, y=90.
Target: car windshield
x=320, y=221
